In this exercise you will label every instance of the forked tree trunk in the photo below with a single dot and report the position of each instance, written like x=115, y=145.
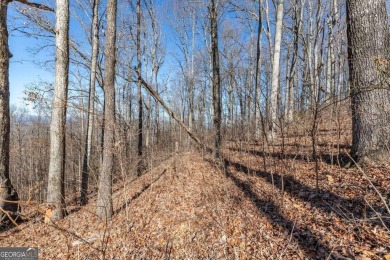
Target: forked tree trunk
x=91, y=103
x=104, y=202
x=7, y=192
x=369, y=47
x=56, y=188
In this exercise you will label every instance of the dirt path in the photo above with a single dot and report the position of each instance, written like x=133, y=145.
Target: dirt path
x=187, y=208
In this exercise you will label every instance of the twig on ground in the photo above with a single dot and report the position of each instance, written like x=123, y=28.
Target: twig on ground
x=288, y=242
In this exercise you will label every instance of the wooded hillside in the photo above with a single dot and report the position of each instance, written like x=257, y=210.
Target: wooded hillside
x=197, y=129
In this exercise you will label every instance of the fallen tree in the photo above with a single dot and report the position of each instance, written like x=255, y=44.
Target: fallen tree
x=171, y=113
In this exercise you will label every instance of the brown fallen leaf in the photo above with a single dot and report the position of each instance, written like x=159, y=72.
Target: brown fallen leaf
x=330, y=178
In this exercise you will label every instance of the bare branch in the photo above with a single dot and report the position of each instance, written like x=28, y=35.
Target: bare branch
x=36, y=5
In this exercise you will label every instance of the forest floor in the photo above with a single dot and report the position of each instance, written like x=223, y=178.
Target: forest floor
x=253, y=205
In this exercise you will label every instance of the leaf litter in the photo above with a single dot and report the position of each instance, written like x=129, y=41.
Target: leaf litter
x=251, y=206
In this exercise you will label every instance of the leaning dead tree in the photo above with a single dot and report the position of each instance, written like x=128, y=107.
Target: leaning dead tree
x=170, y=112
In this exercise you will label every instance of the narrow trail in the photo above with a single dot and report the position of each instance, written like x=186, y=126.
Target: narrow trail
x=188, y=208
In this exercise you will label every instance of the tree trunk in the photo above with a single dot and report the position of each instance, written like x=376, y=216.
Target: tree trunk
x=369, y=47
x=140, y=163
x=297, y=18
x=104, y=202
x=257, y=72
x=217, y=106
x=56, y=189
x=276, y=67
x=230, y=93
x=311, y=73
x=91, y=103
x=7, y=192
x=192, y=77
x=330, y=86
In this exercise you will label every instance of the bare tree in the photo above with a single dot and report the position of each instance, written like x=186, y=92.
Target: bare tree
x=157, y=56
x=258, y=115
x=216, y=79
x=369, y=46
x=55, y=188
x=276, y=67
x=330, y=87
x=140, y=163
x=7, y=191
x=91, y=102
x=297, y=6
x=104, y=202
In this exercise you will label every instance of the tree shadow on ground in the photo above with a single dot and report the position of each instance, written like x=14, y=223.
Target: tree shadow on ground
x=6, y=225
x=299, y=145
x=331, y=159
x=307, y=240
x=136, y=195
x=324, y=200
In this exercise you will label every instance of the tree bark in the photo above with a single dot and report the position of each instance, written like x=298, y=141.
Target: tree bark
x=297, y=18
x=140, y=164
x=330, y=86
x=217, y=106
x=91, y=103
x=104, y=202
x=56, y=188
x=257, y=108
x=7, y=192
x=369, y=46
x=276, y=68
x=192, y=76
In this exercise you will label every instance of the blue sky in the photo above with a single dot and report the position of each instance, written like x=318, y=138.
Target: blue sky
x=23, y=70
